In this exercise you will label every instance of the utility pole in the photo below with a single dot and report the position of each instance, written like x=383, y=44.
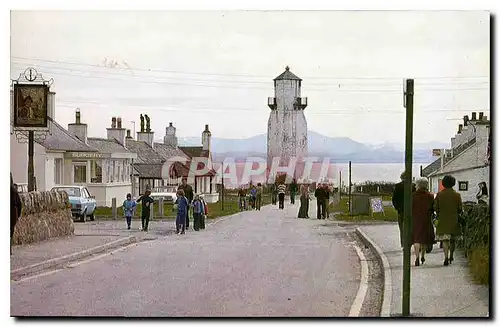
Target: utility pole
x=350, y=204
x=408, y=101
x=222, y=190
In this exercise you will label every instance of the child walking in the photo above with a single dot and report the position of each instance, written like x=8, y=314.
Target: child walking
x=198, y=211
x=129, y=206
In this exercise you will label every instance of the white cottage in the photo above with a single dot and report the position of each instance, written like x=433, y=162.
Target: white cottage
x=467, y=160
x=70, y=157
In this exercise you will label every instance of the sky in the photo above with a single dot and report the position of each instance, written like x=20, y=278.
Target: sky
x=217, y=68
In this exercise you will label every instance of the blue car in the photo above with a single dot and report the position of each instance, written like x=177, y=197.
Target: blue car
x=82, y=203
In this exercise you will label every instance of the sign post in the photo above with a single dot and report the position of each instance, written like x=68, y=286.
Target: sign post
x=408, y=97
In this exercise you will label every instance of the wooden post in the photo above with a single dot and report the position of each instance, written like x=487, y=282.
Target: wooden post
x=350, y=186
x=114, y=210
x=407, y=197
x=160, y=208
x=31, y=167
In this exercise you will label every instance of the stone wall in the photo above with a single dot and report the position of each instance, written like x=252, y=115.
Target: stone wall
x=44, y=215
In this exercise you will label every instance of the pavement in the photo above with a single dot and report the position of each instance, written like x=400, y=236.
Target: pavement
x=254, y=263
x=436, y=290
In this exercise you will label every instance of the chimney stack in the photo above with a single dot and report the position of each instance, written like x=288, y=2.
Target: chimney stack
x=117, y=132
x=481, y=114
x=473, y=116
x=460, y=128
x=77, y=116
x=78, y=129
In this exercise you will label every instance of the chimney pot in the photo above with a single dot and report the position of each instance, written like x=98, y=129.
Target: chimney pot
x=113, y=122
x=77, y=116
x=206, y=127
x=466, y=119
x=128, y=134
x=481, y=114
x=473, y=116
x=460, y=128
x=170, y=124
x=119, y=122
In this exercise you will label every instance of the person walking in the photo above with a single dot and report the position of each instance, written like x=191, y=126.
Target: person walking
x=422, y=233
x=242, y=199
x=274, y=193
x=15, y=209
x=253, y=196
x=326, y=202
x=319, y=194
x=258, y=199
x=448, y=207
x=304, y=202
x=293, y=191
x=398, y=203
x=281, y=195
x=146, y=200
x=205, y=212
x=129, y=206
x=182, y=206
x=188, y=194
x=198, y=210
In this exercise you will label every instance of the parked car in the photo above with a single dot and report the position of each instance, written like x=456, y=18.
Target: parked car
x=82, y=203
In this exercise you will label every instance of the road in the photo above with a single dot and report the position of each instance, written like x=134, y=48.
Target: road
x=265, y=263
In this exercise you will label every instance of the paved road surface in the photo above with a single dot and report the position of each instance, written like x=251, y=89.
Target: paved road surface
x=265, y=263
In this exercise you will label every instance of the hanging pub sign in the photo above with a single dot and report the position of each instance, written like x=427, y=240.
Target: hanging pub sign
x=30, y=105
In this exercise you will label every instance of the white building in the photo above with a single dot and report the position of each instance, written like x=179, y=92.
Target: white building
x=466, y=161
x=287, y=126
x=70, y=157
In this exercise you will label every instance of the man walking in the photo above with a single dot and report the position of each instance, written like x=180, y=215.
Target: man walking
x=15, y=209
x=146, y=201
x=281, y=195
x=274, y=193
x=398, y=203
x=319, y=193
x=326, y=202
x=188, y=193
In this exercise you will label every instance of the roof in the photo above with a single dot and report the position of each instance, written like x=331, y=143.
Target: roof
x=61, y=139
x=432, y=167
x=149, y=170
x=168, y=151
x=145, y=153
x=106, y=145
x=288, y=75
x=194, y=151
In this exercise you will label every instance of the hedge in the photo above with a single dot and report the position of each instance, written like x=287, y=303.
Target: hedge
x=476, y=240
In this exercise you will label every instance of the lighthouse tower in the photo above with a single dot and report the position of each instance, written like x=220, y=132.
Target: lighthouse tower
x=287, y=126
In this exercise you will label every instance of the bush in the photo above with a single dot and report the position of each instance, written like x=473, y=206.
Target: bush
x=476, y=242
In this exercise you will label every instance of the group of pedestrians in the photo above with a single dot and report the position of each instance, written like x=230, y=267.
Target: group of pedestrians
x=251, y=201
x=444, y=211
x=188, y=201
x=185, y=203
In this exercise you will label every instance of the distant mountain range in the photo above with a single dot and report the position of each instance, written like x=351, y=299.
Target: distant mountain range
x=339, y=149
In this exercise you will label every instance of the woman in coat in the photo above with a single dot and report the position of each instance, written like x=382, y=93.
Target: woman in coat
x=448, y=207
x=422, y=229
x=304, y=202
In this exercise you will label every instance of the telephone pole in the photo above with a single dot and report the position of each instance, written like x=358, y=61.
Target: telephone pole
x=408, y=101
x=340, y=184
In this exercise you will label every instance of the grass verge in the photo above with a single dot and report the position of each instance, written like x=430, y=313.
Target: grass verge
x=479, y=263
x=390, y=214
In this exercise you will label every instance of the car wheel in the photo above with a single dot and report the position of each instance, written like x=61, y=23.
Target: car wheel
x=82, y=217
x=92, y=217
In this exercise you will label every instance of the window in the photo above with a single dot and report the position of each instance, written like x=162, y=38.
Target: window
x=125, y=171
x=96, y=171
x=71, y=191
x=58, y=171
x=113, y=170
x=108, y=175
x=80, y=173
